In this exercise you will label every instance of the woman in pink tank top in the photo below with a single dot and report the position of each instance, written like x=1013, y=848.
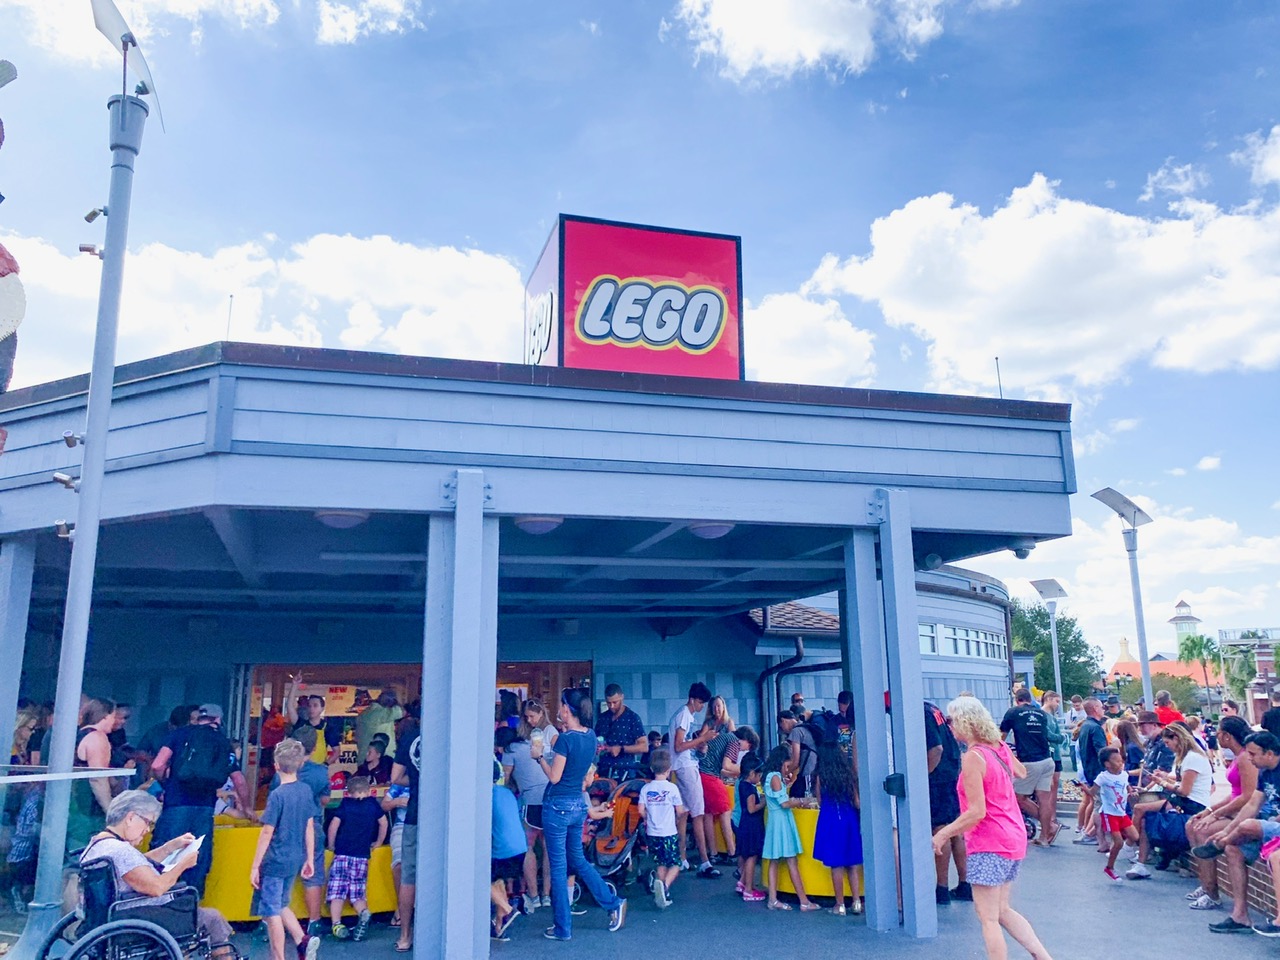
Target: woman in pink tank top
x=1242, y=775
x=992, y=824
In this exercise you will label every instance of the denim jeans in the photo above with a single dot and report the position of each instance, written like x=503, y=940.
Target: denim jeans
x=562, y=819
x=174, y=822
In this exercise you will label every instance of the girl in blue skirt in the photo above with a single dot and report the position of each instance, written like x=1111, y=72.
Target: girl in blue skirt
x=838, y=839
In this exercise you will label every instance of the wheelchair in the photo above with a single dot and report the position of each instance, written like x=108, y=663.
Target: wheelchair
x=109, y=927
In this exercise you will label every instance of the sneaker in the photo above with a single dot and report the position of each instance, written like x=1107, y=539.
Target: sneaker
x=550, y=934
x=503, y=924
x=495, y=936
x=309, y=948
x=618, y=916
x=724, y=860
x=362, y=925
x=659, y=894
x=528, y=906
x=941, y=895
x=708, y=872
x=1138, y=872
x=1205, y=902
x=577, y=910
x=340, y=931
x=1229, y=926
x=545, y=902
x=753, y=896
x=1207, y=851
x=1112, y=875
x=962, y=891
x=1086, y=841
x=1197, y=893
x=648, y=879
x=1267, y=929
x=685, y=866
x=316, y=928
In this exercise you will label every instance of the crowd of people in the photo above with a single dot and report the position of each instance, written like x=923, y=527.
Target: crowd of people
x=707, y=786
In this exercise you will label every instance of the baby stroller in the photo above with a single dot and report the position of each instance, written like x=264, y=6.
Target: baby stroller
x=610, y=845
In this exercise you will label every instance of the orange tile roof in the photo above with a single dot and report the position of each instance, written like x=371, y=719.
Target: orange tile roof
x=1173, y=668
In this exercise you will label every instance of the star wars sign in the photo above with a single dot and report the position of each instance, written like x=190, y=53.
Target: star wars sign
x=637, y=299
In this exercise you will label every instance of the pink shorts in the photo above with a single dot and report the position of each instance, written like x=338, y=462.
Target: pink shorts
x=1268, y=848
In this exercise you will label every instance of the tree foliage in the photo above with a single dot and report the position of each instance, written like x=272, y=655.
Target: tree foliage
x=1081, y=662
x=1197, y=648
x=1185, y=692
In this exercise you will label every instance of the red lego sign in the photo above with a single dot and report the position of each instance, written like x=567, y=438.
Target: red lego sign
x=621, y=296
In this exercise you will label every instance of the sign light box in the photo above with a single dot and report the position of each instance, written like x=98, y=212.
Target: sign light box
x=638, y=299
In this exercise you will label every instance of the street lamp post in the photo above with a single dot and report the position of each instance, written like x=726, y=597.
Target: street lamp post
x=1133, y=517
x=1051, y=592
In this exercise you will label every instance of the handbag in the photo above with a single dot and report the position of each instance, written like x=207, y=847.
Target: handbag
x=1167, y=829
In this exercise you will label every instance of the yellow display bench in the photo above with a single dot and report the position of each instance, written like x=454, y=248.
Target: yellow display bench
x=815, y=876
x=228, y=890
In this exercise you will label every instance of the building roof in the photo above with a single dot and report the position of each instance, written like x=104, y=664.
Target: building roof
x=792, y=616
x=1174, y=668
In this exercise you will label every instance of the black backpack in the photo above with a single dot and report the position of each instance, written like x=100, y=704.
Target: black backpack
x=817, y=729
x=205, y=761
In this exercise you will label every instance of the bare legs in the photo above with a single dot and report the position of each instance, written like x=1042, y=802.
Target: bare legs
x=997, y=916
x=942, y=862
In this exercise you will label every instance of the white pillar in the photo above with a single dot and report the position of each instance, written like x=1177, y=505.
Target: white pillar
x=863, y=652
x=906, y=691
x=17, y=567
x=459, y=676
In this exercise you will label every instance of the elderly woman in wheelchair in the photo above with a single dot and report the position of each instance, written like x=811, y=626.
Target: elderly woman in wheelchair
x=131, y=908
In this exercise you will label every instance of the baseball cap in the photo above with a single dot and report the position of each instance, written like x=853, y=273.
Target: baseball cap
x=211, y=710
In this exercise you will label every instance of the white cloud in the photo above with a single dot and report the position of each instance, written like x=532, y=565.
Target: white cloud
x=1180, y=181
x=1092, y=442
x=1209, y=463
x=795, y=339
x=776, y=39
x=351, y=21
x=1228, y=575
x=1177, y=471
x=354, y=292
x=1262, y=156
x=1054, y=281
x=64, y=28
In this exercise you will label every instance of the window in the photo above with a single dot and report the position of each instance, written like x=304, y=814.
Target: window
x=928, y=638
x=950, y=642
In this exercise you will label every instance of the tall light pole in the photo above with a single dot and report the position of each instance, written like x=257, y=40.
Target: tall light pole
x=1133, y=517
x=1051, y=592
x=128, y=115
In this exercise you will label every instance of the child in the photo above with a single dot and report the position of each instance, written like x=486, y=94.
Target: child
x=506, y=857
x=358, y=826
x=750, y=827
x=781, y=837
x=837, y=841
x=660, y=805
x=286, y=848
x=1111, y=790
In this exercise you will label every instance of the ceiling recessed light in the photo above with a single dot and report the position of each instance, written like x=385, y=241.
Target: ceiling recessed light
x=342, y=519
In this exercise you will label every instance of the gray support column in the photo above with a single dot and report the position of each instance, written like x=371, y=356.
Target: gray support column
x=902, y=633
x=459, y=676
x=863, y=652
x=17, y=566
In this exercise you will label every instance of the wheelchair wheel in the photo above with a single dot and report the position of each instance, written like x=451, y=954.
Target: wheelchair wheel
x=60, y=939
x=1032, y=827
x=135, y=939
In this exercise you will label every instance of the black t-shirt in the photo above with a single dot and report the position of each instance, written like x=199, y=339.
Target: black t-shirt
x=1030, y=737
x=937, y=733
x=357, y=827
x=409, y=756
x=1092, y=740
x=1271, y=721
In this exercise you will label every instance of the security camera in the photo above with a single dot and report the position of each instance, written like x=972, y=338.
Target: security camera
x=141, y=89
x=94, y=214
x=91, y=249
x=1022, y=548
x=932, y=561
x=71, y=439
x=64, y=530
x=70, y=482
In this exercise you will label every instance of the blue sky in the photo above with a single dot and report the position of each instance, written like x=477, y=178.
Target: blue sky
x=1090, y=190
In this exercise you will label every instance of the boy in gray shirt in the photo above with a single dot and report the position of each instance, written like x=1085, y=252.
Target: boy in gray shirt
x=286, y=848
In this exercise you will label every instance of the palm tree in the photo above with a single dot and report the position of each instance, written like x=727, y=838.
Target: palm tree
x=1200, y=649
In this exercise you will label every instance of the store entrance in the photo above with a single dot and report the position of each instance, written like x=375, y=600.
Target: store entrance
x=543, y=680
x=347, y=688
